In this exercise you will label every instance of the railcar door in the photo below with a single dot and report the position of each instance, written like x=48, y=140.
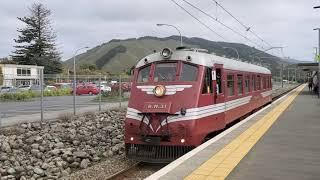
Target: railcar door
x=218, y=81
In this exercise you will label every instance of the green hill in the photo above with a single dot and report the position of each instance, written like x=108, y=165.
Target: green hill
x=119, y=55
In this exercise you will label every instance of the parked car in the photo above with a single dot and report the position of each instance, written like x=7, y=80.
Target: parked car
x=4, y=89
x=105, y=88
x=63, y=85
x=125, y=86
x=89, y=89
x=36, y=88
x=50, y=88
x=24, y=87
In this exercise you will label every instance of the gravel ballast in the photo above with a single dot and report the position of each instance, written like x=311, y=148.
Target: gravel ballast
x=56, y=149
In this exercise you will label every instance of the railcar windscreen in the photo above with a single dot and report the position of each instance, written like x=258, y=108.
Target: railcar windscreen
x=189, y=72
x=143, y=75
x=165, y=72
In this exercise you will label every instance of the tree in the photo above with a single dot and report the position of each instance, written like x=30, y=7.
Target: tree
x=6, y=61
x=36, y=42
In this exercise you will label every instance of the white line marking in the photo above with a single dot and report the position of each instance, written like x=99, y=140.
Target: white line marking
x=185, y=157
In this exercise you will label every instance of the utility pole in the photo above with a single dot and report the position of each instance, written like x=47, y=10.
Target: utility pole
x=316, y=54
x=75, y=79
x=288, y=75
x=281, y=75
x=318, y=29
x=295, y=74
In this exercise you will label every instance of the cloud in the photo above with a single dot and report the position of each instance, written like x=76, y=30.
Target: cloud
x=89, y=23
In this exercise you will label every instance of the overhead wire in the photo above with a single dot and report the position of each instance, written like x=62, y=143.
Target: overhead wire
x=201, y=22
x=247, y=28
x=221, y=23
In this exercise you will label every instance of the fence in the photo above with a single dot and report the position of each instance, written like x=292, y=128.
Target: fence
x=34, y=97
x=50, y=96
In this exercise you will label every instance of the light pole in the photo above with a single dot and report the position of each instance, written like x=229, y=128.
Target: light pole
x=175, y=28
x=318, y=29
x=234, y=50
x=75, y=79
x=282, y=75
x=316, y=53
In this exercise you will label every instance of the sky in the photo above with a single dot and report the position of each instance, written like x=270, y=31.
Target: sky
x=79, y=23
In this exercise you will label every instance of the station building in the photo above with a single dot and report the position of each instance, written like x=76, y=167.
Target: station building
x=16, y=74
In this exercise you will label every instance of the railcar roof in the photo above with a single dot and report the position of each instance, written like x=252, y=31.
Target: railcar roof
x=206, y=59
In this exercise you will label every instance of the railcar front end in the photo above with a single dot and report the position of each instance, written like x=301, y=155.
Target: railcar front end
x=157, y=127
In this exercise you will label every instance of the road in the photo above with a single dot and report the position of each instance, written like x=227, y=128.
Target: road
x=11, y=109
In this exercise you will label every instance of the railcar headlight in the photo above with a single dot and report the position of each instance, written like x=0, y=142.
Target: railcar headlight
x=166, y=53
x=159, y=91
x=131, y=138
x=182, y=140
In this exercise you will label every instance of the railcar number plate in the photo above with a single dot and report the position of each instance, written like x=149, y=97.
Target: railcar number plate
x=156, y=107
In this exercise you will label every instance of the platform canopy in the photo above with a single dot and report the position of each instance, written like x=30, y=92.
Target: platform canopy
x=313, y=66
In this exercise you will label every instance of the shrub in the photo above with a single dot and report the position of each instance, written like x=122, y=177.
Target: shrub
x=27, y=95
x=58, y=92
x=18, y=96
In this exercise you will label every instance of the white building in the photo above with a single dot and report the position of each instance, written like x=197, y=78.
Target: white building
x=16, y=75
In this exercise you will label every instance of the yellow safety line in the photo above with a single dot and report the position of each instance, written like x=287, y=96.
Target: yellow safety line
x=222, y=163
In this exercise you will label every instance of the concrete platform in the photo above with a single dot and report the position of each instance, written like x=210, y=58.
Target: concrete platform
x=278, y=142
x=290, y=149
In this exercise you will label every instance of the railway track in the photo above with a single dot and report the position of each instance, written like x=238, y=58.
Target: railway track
x=123, y=171
x=139, y=170
x=277, y=96
x=146, y=169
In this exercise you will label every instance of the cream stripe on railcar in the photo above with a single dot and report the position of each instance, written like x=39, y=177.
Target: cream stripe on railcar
x=195, y=113
x=220, y=108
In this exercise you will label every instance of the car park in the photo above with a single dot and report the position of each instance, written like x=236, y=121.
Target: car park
x=105, y=88
x=5, y=89
x=50, y=88
x=24, y=87
x=63, y=85
x=87, y=89
x=125, y=86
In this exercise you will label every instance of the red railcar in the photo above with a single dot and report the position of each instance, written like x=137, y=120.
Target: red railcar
x=180, y=99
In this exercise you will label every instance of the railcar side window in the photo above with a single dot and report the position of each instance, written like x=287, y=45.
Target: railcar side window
x=239, y=79
x=207, y=82
x=270, y=81
x=247, y=84
x=165, y=72
x=254, y=88
x=189, y=72
x=258, y=83
x=143, y=75
x=230, y=85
